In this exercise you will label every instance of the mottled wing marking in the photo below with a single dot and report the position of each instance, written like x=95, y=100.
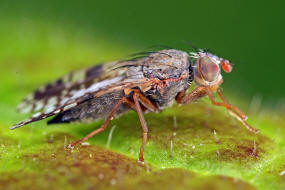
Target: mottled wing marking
x=53, y=94
x=77, y=98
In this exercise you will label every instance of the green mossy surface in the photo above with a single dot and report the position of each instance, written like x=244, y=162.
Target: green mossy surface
x=210, y=150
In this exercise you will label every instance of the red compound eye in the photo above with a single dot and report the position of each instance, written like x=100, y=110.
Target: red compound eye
x=226, y=66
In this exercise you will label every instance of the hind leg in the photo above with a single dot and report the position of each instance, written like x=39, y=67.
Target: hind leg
x=106, y=123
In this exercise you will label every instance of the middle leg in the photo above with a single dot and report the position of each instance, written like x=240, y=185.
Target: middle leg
x=143, y=123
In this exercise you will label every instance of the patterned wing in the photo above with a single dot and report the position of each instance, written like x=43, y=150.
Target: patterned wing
x=71, y=90
x=80, y=96
x=54, y=93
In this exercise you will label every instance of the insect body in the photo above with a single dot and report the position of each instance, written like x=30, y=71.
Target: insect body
x=149, y=83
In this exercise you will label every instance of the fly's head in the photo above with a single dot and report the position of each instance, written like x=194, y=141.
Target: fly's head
x=207, y=68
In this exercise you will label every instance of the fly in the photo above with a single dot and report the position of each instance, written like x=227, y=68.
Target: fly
x=149, y=82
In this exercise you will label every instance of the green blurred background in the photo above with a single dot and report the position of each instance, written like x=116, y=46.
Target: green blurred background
x=44, y=34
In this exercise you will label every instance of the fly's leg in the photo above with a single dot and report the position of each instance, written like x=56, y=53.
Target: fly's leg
x=139, y=98
x=183, y=98
x=234, y=111
x=229, y=106
x=145, y=101
x=144, y=125
x=142, y=99
x=106, y=123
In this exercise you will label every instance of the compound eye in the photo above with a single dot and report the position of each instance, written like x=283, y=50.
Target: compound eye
x=226, y=66
x=209, y=69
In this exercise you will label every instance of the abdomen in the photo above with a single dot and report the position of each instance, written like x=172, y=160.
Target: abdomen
x=93, y=109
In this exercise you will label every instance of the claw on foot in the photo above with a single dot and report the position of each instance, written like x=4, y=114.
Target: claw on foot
x=70, y=146
x=141, y=161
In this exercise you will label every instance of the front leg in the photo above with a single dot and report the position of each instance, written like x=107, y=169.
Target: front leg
x=234, y=111
x=183, y=98
x=200, y=91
